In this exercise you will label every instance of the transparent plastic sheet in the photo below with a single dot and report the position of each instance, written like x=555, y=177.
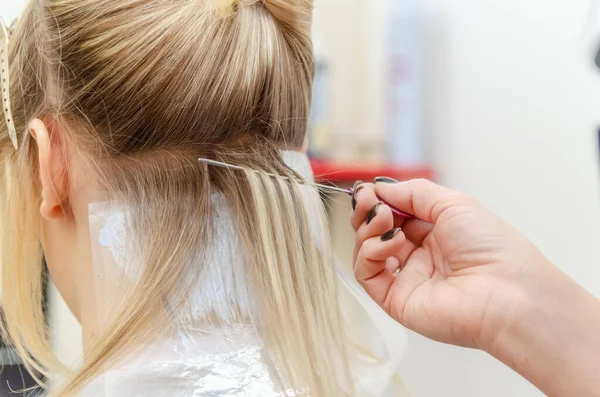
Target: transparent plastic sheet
x=196, y=357
x=378, y=343
x=193, y=358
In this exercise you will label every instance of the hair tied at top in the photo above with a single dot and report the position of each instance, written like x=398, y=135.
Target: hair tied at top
x=225, y=7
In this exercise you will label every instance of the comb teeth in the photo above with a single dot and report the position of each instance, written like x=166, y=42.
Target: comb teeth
x=220, y=164
x=317, y=185
x=237, y=167
x=5, y=85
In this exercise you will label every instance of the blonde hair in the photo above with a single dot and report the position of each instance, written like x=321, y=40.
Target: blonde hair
x=143, y=88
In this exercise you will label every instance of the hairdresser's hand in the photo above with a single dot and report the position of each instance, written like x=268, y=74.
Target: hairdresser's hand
x=469, y=279
x=452, y=277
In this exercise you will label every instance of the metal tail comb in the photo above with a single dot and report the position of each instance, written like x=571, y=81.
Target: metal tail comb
x=330, y=188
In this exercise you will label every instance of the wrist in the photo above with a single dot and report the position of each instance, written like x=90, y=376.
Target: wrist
x=551, y=333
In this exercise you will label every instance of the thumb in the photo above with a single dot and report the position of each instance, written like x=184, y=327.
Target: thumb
x=420, y=197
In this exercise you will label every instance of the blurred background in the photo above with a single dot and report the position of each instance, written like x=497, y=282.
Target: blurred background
x=500, y=99
x=497, y=98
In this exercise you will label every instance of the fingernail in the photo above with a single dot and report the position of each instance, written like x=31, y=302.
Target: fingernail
x=372, y=213
x=359, y=182
x=354, y=196
x=390, y=235
x=386, y=179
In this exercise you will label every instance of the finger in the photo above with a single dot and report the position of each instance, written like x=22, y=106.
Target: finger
x=399, y=220
x=379, y=219
x=404, y=254
x=392, y=264
x=363, y=200
x=370, y=269
x=417, y=272
x=416, y=230
x=420, y=197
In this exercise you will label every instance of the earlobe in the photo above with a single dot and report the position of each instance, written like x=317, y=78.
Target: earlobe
x=53, y=169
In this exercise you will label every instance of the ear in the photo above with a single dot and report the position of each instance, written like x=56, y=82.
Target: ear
x=53, y=169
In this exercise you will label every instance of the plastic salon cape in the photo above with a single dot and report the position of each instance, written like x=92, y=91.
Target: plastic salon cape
x=213, y=364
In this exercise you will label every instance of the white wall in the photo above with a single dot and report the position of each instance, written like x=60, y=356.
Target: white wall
x=512, y=105
x=10, y=9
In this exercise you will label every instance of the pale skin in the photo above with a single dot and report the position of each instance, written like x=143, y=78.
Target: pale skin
x=467, y=278
x=64, y=222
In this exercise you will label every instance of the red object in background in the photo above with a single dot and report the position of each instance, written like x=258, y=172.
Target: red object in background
x=348, y=173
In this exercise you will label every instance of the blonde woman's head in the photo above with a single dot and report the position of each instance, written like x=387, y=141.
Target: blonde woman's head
x=123, y=96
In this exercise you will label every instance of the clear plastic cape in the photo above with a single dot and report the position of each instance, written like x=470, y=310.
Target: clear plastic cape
x=207, y=360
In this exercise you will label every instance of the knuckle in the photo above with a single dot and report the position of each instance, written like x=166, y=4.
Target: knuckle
x=420, y=183
x=452, y=200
